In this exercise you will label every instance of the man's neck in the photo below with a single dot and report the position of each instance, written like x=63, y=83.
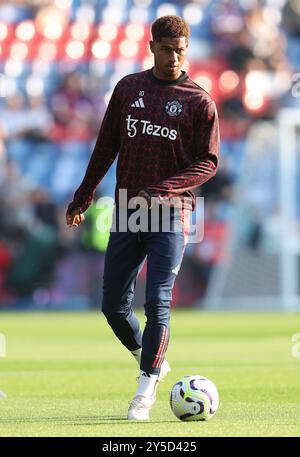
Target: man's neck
x=159, y=76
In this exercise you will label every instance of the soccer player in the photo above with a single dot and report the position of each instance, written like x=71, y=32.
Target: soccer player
x=165, y=129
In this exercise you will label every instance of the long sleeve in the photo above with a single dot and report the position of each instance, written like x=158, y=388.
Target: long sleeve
x=104, y=153
x=207, y=140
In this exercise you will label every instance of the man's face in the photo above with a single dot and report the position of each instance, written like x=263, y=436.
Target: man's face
x=169, y=56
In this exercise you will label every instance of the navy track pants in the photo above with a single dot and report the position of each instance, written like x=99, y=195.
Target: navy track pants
x=124, y=259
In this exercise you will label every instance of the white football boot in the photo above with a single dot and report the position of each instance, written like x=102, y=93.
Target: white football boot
x=140, y=406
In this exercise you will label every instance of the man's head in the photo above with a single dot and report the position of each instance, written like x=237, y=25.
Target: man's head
x=170, y=39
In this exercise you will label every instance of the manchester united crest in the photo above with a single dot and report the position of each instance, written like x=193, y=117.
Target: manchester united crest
x=173, y=108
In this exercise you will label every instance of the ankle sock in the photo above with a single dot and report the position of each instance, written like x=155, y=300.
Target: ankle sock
x=147, y=385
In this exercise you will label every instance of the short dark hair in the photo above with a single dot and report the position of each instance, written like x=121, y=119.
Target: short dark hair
x=170, y=27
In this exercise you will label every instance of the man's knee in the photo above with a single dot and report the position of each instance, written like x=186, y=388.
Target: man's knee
x=158, y=311
x=114, y=313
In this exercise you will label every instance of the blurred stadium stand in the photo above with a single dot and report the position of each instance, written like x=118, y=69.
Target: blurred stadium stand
x=59, y=61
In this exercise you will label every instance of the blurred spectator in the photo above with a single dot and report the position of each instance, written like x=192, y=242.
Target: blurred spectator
x=13, y=117
x=25, y=131
x=75, y=127
x=73, y=110
x=34, y=263
x=44, y=208
x=210, y=252
x=220, y=188
x=235, y=122
x=15, y=198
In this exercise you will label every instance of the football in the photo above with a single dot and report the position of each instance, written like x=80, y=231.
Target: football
x=194, y=398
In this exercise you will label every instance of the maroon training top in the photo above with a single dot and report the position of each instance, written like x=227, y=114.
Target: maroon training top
x=167, y=137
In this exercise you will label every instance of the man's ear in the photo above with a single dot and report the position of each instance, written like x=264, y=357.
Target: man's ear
x=151, y=44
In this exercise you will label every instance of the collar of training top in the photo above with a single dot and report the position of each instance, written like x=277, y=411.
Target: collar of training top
x=165, y=82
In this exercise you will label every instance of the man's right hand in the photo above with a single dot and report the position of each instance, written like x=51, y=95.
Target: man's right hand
x=75, y=218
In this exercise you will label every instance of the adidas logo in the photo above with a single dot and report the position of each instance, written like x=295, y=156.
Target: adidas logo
x=143, y=373
x=138, y=103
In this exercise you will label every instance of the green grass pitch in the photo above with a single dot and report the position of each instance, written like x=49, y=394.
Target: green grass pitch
x=65, y=374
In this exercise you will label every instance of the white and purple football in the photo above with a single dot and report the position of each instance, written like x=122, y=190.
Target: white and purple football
x=194, y=398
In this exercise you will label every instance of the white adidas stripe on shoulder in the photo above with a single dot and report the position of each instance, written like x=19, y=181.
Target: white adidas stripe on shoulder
x=138, y=103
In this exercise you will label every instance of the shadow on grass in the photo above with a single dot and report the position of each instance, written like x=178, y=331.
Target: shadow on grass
x=88, y=420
